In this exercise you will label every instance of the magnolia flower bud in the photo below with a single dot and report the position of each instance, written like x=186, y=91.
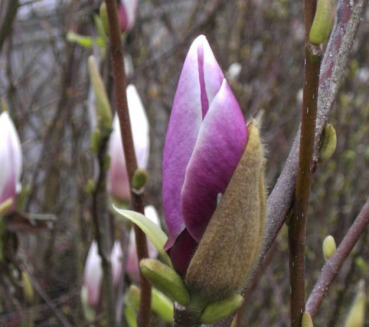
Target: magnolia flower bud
x=10, y=163
x=127, y=14
x=234, y=235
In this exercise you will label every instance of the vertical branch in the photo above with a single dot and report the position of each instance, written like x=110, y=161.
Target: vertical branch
x=297, y=228
x=103, y=231
x=10, y=15
x=116, y=50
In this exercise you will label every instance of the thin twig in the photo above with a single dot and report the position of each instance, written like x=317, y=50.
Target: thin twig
x=116, y=50
x=297, y=227
x=10, y=15
x=334, y=264
x=103, y=231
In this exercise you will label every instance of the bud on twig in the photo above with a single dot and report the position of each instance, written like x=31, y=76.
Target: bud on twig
x=307, y=321
x=356, y=315
x=322, y=23
x=139, y=179
x=329, y=143
x=103, y=111
x=329, y=247
x=28, y=290
x=166, y=280
x=104, y=18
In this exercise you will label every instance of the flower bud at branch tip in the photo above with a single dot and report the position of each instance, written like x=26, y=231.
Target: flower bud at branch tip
x=227, y=251
x=329, y=143
x=307, y=321
x=218, y=310
x=329, y=247
x=139, y=179
x=166, y=280
x=104, y=18
x=322, y=23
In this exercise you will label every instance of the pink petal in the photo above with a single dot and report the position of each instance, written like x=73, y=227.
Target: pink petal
x=219, y=147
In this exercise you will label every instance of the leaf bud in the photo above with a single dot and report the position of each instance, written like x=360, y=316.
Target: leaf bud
x=329, y=143
x=307, y=321
x=329, y=247
x=356, y=315
x=322, y=24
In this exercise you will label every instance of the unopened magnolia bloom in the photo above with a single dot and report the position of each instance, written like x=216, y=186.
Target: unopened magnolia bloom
x=205, y=140
x=118, y=183
x=93, y=272
x=213, y=181
x=10, y=160
x=127, y=14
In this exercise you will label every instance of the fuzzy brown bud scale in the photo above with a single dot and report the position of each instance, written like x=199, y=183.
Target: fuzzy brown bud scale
x=234, y=235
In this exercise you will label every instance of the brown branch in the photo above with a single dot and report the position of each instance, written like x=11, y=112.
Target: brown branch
x=332, y=73
x=116, y=50
x=297, y=227
x=9, y=18
x=103, y=231
x=334, y=264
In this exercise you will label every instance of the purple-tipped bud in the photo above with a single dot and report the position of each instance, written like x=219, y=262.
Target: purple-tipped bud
x=127, y=14
x=206, y=138
x=10, y=160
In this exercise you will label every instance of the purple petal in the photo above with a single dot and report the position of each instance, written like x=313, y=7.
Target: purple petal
x=219, y=147
x=185, y=122
x=200, y=81
x=182, y=251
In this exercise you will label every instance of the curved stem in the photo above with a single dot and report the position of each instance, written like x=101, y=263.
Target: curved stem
x=116, y=50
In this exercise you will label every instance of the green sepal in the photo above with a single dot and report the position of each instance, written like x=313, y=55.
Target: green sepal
x=152, y=231
x=218, y=310
x=166, y=280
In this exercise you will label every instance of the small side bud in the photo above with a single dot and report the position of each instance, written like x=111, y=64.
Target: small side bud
x=5, y=206
x=104, y=18
x=90, y=187
x=139, y=179
x=329, y=143
x=103, y=111
x=95, y=140
x=356, y=316
x=306, y=321
x=322, y=23
x=218, y=310
x=166, y=280
x=329, y=247
x=28, y=290
x=221, y=266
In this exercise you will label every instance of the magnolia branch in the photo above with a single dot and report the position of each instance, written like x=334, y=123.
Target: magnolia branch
x=349, y=14
x=297, y=227
x=116, y=50
x=334, y=264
